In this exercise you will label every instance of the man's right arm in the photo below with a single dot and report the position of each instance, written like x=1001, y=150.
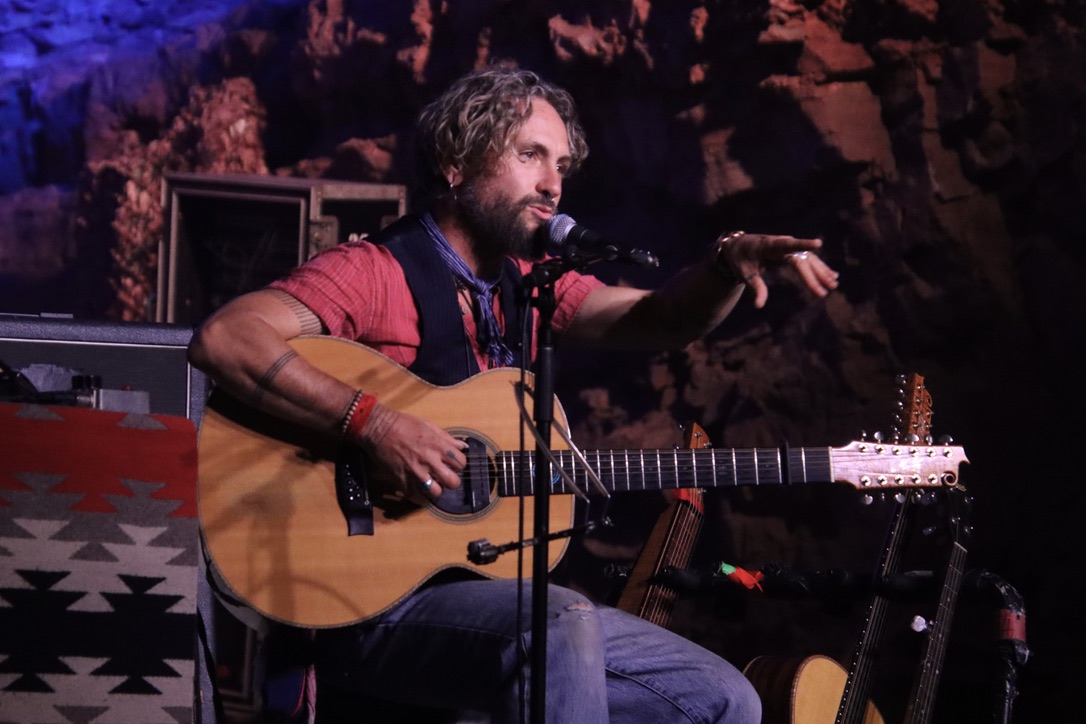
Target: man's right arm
x=244, y=348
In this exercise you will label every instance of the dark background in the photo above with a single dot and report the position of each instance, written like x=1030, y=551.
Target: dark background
x=936, y=147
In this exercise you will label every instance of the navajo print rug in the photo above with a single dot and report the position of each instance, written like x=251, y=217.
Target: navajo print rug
x=99, y=555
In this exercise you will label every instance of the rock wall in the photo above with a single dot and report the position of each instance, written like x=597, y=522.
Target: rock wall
x=936, y=147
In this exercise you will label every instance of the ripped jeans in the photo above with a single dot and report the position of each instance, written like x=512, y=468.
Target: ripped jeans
x=460, y=645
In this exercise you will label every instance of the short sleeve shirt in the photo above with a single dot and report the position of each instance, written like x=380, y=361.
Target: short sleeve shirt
x=358, y=290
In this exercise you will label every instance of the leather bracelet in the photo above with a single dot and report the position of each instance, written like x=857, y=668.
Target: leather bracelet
x=719, y=260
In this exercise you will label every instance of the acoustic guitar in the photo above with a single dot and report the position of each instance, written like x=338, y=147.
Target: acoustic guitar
x=279, y=504
x=817, y=689
x=670, y=545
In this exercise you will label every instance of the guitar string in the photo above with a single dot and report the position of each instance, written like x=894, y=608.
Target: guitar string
x=692, y=466
x=857, y=685
x=926, y=688
x=855, y=696
x=685, y=541
x=662, y=596
x=751, y=466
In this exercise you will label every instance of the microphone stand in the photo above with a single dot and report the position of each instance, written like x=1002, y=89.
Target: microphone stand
x=542, y=277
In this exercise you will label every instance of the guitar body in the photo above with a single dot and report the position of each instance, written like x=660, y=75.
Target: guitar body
x=279, y=502
x=802, y=690
x=273, y=526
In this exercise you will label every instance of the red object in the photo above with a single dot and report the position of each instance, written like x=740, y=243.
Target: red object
x=1012, y=625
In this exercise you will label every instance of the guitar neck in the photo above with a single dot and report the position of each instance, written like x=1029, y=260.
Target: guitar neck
x=922, y=700
x=670, y=545
x=916, y=421
x=857, y=689
x=632, y=470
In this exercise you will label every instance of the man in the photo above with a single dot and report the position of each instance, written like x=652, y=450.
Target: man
x=435, y=293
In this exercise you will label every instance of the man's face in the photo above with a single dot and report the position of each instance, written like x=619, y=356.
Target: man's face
x=507, y=208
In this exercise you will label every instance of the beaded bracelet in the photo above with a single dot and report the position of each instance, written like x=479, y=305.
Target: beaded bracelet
x=720, y=261
x=358, y=414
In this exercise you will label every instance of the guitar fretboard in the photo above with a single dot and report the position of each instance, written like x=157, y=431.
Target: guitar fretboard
x=922, y=699
x=633, y=470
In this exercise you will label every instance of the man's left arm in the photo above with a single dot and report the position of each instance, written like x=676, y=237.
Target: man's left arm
x=697, y=299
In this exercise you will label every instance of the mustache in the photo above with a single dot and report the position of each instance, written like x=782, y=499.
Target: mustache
x=538, y=201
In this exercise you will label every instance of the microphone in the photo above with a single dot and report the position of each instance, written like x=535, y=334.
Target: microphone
x=570, y=240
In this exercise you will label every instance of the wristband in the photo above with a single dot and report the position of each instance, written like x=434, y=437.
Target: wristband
x=718, y=258
x=358, y=414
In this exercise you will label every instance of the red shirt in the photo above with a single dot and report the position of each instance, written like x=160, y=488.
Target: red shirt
x=359, y=291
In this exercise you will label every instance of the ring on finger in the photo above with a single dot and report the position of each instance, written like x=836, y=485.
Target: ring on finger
x=799, y=255
x=426, y=485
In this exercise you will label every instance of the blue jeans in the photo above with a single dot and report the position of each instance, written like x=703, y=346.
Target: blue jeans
x=460, y=645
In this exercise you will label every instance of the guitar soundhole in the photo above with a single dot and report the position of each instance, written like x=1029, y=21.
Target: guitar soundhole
x=474, y=493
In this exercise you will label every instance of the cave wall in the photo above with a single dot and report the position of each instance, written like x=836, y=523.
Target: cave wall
x=936, y=147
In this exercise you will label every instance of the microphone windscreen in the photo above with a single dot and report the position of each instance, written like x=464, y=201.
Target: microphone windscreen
x=559, y=228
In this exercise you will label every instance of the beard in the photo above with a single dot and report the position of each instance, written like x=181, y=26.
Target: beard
x=496, y=225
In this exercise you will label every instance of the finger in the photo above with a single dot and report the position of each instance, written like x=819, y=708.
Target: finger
x=428, y=487
x=455, y=458
x=447, y=477
x=782, y=248
x=802, y=261
x=761, y=291
x=815, y=273
x=822, y=273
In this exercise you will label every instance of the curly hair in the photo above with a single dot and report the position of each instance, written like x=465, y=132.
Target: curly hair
x=472, y=123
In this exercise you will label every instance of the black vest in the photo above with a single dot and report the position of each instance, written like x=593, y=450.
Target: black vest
x=445, y=354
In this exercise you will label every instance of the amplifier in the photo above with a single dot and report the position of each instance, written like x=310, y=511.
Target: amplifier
x=135, y=367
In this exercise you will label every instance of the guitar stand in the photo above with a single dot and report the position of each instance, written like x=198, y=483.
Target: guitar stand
x=1010, y=637
x=839, y=585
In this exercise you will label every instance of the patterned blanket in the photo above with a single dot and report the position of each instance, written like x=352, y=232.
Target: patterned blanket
x=99, y=555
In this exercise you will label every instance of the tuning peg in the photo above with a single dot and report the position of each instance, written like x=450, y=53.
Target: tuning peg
x=912, y=438
x=919, y=624
x=928, y=439
x=866, y=499
x=945, y=439
x=899, y=497
x=878, y=436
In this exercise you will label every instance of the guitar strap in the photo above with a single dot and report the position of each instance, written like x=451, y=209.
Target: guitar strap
x=445, y=355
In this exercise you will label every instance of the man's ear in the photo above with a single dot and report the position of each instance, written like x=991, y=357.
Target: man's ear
x=454, y=175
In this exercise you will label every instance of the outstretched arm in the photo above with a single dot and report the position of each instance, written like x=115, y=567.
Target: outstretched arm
x=244, y=348
x=697, y=299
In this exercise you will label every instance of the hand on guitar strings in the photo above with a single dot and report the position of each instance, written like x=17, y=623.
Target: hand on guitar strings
x=418, y=456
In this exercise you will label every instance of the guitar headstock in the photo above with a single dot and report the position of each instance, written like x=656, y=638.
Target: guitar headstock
x=694, y=438
x=875, y=467
x=912, y=423
x=910, y=460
